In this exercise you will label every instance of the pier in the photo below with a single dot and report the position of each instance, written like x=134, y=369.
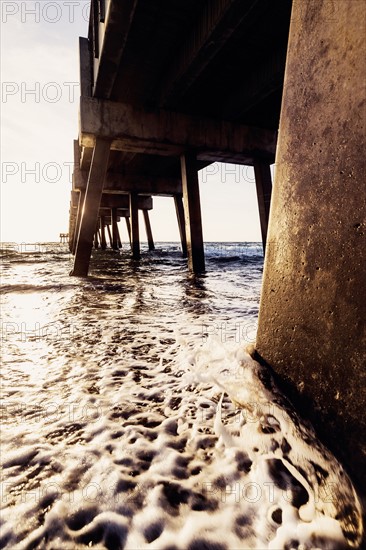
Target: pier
x=162, y=97
x=168, y=88
x=64, y=238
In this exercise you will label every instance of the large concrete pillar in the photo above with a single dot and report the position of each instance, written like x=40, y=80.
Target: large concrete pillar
x=134, y=214
x=149, y=234
x=312, y=322
x=90, y=209
x=181, y=223
x=192, y=212
x=263, y=181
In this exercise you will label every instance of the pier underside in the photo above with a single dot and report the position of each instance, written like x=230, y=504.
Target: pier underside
x=168, y=149
x=157, y=108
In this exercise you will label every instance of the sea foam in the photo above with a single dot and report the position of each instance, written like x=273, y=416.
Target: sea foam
x=137, y=423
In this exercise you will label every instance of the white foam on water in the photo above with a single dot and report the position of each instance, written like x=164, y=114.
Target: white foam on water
x=154, y=437
x=191, y=451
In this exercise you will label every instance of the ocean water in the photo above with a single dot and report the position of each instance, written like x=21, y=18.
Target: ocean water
x=133, y=415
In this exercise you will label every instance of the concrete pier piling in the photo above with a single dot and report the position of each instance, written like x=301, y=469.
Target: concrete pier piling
x=96, y=239
x=128, y=226
x=90, y=209
x=192, y=211
x=119, y=242
x=312, y=322
x=135, y=233
x=78, y=219
x=263, y=180
x=115, y=235
x=103, y=242
x=181, y=223
x=150, y=240
x=64, y=238
x=109, y=234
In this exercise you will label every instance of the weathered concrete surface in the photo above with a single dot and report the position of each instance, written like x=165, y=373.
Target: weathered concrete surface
x=168, y=133
x=79, y=211
x=192, y=213
x=130, y=183
x=116, y=200
x=115, y=239
x=135, y=230
x=112, y=42
x=180, y=55
x=123, y=201
x=149, y=234
x=85, y=68
x=179, y=209
x=312, y=324
x=89, y=214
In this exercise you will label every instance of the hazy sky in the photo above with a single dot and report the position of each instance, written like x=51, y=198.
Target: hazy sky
x=39, y=120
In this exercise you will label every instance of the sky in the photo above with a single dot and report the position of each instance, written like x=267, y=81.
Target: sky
x=39, y=121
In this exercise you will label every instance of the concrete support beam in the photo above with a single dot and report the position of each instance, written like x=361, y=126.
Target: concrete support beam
x=86, y=155
x=168, y=133
x=128, y=225
x=77, y=156
x=78, y=220
x=72, y=222
x=192, y=211
x=119, y=242
x=130, y=183
x=109, y=235
x=117, y=27
x=96, y=239
x=107, y=219
x=115, y=236
x=149, y=235
x=92, y=199
x=312, y=322
x=117, y=200
x=134, y=214
x=181, y=223
x=123, y=201
x=219, y=20
x=74, y=199
x=85, y=68
x=106, y=212
x=260, y=84
x=263, y=181
x=103, y=241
